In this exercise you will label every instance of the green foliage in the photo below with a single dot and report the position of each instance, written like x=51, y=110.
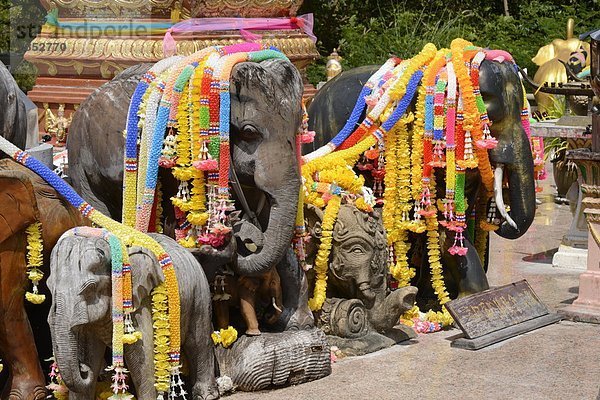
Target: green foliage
x=367, y=31
x=20, y=21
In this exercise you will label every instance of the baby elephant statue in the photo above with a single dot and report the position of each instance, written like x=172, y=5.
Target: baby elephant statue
x=81, y=324
x=358, y=299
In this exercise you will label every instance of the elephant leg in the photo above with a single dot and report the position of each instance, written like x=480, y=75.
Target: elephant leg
x=139, y=356
x=199, y=351
x=26, y=379
x=221, y=308
x=467, y=270
x=223, y=286
x=247, y=292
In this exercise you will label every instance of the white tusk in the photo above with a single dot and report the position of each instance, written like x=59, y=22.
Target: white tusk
x=498, y=176
x=275, y=306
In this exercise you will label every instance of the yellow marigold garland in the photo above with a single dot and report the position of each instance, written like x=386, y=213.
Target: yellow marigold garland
x=437, y=277
x=417, y=62
x=390, y=192
x=322, y=259
x=401, y=270
x=184, y=137
x=416, y=160
x=472, y=121
x=35, y=259
x=159, y=209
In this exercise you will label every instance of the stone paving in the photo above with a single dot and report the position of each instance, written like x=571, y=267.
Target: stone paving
x=561, y=361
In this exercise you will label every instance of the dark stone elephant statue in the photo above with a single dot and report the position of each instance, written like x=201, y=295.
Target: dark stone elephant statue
x=512, y=160
x=81, y=324
x=265, y=118
x=257, y=270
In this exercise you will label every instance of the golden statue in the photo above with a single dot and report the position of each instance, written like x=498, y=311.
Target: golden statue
x=334, y=65
x=57, y=125
x=551, y=69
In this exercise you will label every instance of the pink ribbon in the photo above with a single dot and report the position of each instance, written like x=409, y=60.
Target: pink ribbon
x=244, y=25
x=498, y=55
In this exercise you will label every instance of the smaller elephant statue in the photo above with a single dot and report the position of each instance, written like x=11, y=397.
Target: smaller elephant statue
x=80, y=318
x=245, y=290
x=357, y=267
x=231, y=289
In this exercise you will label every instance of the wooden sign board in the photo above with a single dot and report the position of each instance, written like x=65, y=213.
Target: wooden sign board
x=498, y=314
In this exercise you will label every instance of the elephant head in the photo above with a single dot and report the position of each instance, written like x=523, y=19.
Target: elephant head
x=265, y=117
x=18, y=205
x=502, y=92
x=80, y=317
x=512, y=159
x=357, y=267
x=13, y=119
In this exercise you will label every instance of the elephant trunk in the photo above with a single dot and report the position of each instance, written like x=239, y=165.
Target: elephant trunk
x=277, y=237
x=521, y=192
x=367, y=293
x=77, y=376
x=386, y=314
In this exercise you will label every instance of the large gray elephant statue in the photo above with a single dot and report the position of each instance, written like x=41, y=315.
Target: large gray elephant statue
x=80, y=318
x=265, y=117
x=512, y=160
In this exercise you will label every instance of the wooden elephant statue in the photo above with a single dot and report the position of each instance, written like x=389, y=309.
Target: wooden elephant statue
x=24, y=200
x=229, y=290
x=81, y=324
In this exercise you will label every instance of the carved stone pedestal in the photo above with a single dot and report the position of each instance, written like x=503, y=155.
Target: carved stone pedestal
x=573, y=253
x=586, y=307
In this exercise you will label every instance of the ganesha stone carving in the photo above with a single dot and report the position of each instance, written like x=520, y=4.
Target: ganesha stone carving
x=358, y=297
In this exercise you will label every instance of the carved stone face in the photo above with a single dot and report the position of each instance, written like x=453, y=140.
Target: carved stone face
x=358, y=255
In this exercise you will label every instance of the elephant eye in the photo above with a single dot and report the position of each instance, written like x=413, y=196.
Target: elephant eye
x=249, y=133
x=357, y=250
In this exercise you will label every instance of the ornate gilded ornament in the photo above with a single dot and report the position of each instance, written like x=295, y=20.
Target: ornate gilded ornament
x=173, y=9
x=241, y=8
x=107, y=58
x=551, y=70
x=57, y=125
x=334, y=65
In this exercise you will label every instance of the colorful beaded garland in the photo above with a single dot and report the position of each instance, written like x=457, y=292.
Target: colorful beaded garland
x=449, y=118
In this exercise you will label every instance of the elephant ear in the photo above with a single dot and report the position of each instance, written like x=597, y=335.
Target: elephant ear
x=146, y=274
x=18, y=206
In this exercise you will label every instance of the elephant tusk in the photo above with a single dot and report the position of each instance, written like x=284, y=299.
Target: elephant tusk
x=275, y=306
x=498, y=176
